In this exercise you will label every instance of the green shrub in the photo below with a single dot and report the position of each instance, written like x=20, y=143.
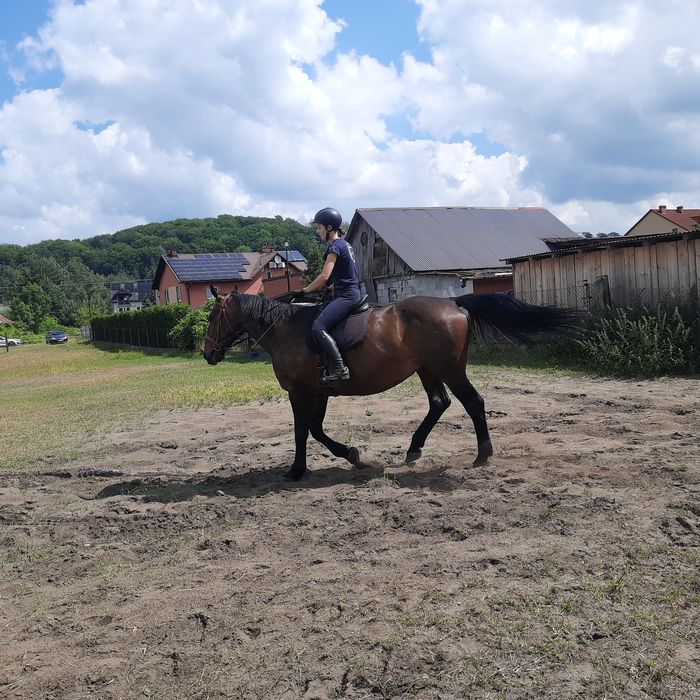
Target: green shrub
x=633, y=343
x=190, y=330
x=50, y=323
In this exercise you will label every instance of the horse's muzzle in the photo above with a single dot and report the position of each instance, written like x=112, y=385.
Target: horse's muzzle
x=213, y=357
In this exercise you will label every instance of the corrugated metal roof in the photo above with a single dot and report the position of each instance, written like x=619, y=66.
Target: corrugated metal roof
x=614, y=242
x=451, y=238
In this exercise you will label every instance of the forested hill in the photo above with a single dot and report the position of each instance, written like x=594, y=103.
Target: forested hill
x=134, y=252
x=75, y=274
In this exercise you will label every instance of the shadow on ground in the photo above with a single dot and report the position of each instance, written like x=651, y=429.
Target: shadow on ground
x=170, y=489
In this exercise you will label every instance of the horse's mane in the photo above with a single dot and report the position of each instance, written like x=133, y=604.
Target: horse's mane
x=268, y=310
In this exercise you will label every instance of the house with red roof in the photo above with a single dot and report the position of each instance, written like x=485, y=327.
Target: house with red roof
x=186, y=277
x=665, y=220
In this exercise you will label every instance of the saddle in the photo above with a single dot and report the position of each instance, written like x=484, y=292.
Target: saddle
x=349, y=332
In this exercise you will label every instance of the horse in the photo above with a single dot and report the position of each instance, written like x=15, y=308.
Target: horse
x=425, y=335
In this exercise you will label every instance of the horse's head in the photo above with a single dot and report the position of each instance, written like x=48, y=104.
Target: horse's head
x=225, y=327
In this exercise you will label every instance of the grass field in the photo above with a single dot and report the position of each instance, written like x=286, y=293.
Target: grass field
x=58, y=401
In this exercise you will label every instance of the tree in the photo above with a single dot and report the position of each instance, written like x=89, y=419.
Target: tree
x=75, y=274
x=31, y=306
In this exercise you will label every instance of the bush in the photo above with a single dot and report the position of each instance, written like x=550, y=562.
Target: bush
x=190, y=330
x=50, y=323
x=640, y=343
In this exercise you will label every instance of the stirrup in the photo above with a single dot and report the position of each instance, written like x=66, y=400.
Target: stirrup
x=339, y=375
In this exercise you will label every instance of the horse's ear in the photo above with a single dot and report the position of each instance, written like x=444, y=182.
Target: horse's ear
x=215, y=292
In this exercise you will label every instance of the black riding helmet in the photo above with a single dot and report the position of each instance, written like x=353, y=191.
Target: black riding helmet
x=329, y=217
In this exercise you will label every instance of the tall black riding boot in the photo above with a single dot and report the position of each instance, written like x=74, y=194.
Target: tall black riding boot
x=336, y=369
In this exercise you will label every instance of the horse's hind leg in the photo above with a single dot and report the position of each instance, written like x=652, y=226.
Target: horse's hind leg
x=337, y=449
x=439, y=403
x=461, y=387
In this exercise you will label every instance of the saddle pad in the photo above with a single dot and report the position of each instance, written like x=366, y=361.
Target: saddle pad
x=347, y=334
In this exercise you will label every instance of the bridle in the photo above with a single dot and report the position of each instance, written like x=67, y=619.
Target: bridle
x=218, y=345
x=237, y=337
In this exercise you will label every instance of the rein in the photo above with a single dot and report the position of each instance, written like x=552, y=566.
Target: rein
x=238, y=338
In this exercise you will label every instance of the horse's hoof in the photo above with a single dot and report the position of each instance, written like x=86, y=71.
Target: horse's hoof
x=354, y=456
x=295, y=474
x=413, y=456
x=480, y=462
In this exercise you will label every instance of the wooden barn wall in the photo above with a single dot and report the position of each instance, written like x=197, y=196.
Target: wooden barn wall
x=375, y=258
x=646, y=274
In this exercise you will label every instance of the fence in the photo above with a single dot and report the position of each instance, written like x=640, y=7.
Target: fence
x=139, y=337
x=578, y=297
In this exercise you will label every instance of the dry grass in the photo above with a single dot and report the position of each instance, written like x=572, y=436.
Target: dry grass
x=58, y=401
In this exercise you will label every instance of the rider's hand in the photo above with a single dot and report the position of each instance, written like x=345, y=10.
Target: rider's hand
x=297, y=296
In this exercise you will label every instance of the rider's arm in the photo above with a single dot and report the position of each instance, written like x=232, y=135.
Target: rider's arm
x=325, y=275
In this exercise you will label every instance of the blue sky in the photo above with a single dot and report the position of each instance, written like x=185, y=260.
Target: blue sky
x=20, y=19
x=121, y=113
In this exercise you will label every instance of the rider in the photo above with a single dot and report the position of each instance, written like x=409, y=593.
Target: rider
x=339, y=266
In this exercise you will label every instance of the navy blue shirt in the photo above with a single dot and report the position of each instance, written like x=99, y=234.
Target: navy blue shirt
x=344, y=274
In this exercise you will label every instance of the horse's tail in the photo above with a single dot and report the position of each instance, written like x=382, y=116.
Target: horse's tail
x=501, y=316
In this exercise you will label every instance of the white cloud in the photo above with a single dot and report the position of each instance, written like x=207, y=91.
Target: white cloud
x=212, y=107
x=579, y=88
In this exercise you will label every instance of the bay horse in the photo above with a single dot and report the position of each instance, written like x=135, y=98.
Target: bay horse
x=424, y=335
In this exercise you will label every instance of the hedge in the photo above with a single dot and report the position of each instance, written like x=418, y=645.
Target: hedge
x=149, y=327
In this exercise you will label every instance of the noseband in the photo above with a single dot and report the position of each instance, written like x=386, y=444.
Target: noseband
x=218, y=345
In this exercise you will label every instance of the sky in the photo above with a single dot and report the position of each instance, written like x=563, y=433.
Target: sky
x=115, y=113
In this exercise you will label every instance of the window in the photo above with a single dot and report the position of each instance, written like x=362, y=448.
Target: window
x=178, y=291
x=167, y=296
x=158, y=297
x=209, y=294
x=393, y=294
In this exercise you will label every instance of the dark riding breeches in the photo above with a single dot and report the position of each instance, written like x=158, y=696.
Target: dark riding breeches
x=335, y=311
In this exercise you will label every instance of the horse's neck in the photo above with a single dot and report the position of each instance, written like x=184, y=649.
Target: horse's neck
x=261, y=326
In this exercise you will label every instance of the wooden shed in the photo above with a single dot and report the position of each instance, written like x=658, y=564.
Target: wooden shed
x=626, y=271
x=446, y=251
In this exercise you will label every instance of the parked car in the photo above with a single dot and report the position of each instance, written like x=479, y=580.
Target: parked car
x=4, y=341
x=54, y=337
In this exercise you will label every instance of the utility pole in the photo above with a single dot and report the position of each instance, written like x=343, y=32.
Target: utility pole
x=286, y=250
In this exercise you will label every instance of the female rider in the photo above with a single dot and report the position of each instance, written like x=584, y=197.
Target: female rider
x=339, y=266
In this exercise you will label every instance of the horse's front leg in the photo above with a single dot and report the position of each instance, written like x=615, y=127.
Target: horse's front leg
x=337, y=449
x=301, y=407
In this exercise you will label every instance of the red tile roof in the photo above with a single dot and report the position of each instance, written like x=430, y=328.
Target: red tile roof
x=686, y=218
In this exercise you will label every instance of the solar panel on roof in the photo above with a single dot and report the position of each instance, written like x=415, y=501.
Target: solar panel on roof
x=211, y=266
x=294, y=255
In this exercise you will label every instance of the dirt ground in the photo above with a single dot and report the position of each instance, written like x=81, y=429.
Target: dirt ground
x=182, y=565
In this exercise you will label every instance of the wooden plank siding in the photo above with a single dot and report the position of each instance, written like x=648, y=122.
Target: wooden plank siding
x=375, y=259
x=649, y=273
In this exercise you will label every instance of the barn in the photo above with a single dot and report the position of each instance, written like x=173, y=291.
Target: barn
x=634, y=270
x=447, y=251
